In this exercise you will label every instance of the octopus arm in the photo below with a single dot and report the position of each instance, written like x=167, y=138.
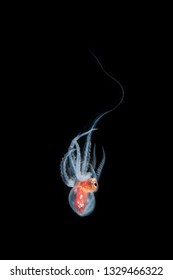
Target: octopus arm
x=100, y=167
x=88, y=141
x=69, y=181
x=72, y=163
x=94, y=175
x=78, y=161
x=94, y=157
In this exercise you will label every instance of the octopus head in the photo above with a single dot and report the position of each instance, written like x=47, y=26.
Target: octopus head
x=90, y=185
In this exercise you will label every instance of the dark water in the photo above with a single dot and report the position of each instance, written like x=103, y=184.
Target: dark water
x=54, y=90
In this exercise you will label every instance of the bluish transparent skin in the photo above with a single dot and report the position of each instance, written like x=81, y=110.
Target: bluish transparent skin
x=89, y=203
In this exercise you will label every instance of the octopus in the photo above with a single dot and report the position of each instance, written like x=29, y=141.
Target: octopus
x=79, y=168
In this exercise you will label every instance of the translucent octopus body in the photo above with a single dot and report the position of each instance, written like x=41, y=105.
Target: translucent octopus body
x=78, y=168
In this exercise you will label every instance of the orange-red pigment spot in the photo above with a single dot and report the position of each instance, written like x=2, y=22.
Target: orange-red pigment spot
x=80, y=200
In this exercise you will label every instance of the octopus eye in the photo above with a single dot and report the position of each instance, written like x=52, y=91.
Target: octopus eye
x=95, y=184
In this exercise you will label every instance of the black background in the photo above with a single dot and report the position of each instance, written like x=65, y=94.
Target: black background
x=54, y=89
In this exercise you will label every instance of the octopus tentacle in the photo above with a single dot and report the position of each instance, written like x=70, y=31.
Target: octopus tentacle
x=100, y=167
